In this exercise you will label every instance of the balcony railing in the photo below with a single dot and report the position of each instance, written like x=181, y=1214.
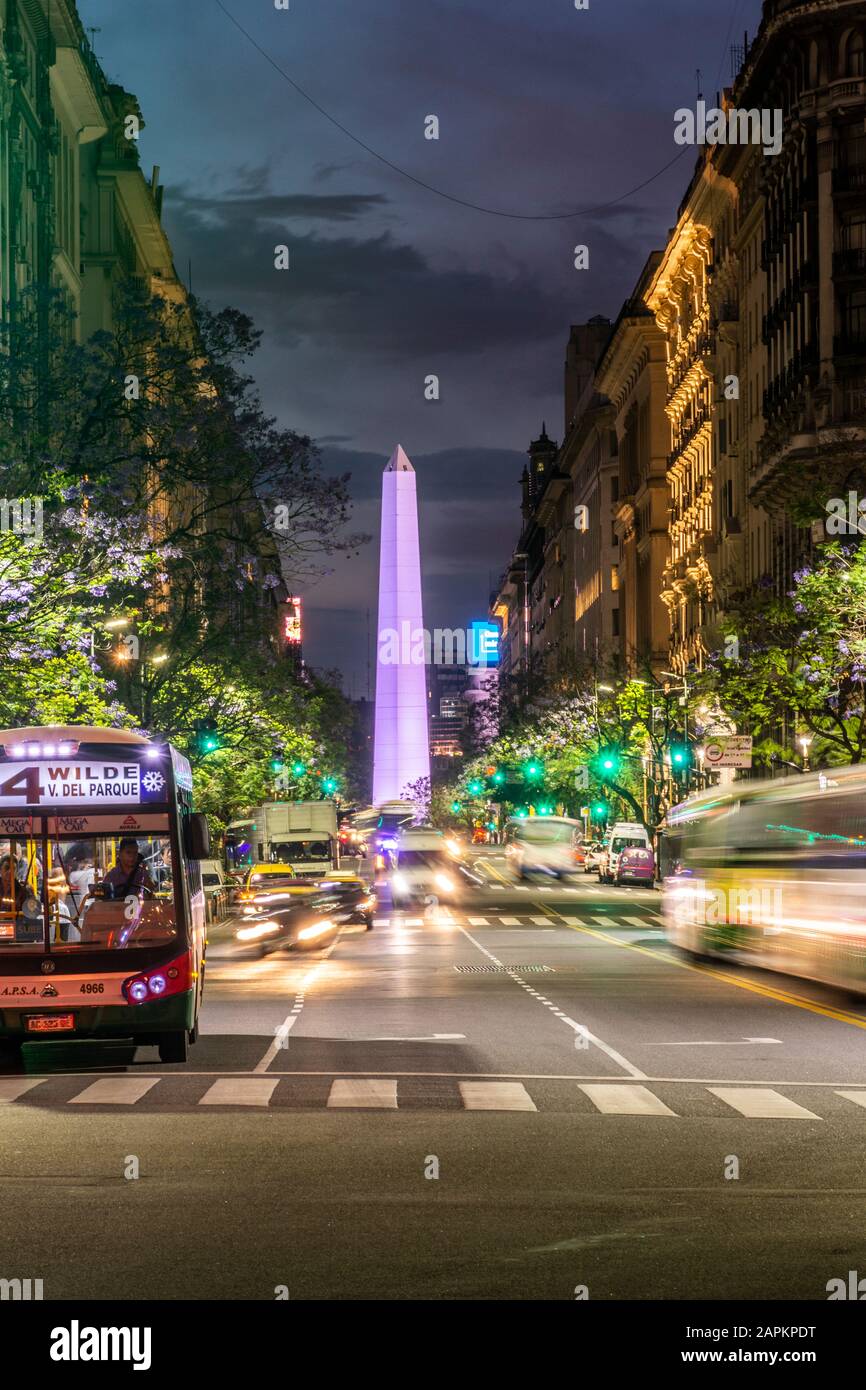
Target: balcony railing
x=850, y=262
x=850, y=180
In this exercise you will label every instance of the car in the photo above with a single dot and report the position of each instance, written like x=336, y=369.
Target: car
x=593, y=853
x=216, y=889
x=264, y=879
x=636, y=864
x=425, y=868
x=544, y=844
x=301, y=918
x=357, y=894
x=623, y=835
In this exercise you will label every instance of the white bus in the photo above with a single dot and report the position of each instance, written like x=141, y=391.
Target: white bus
x=772, y=874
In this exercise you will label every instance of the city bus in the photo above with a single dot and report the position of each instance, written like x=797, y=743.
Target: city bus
x=102, y=912
x=772, y=874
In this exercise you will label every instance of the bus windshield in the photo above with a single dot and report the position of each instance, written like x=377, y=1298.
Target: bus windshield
x=301, y=852
x=110, y=891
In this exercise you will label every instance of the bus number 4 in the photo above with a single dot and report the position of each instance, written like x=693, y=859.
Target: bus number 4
x=26, y=780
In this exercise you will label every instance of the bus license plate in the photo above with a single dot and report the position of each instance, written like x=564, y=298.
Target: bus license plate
x=50, y=1023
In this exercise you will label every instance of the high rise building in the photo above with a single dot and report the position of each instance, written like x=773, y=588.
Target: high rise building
x=401, y=754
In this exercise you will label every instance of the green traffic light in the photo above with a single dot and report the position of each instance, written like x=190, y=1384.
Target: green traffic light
x=298, y=769
x=329, y=785
x=210, y=744
x=475, y=788
x=455, y=807
x=534, y=771
x=499, y=777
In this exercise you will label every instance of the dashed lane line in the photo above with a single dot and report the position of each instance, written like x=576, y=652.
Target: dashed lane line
x=578, y=1028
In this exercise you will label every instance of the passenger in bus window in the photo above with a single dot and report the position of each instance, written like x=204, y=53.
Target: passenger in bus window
x=129, y=874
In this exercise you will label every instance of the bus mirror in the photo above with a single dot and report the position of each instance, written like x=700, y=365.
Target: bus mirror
x=198, y=836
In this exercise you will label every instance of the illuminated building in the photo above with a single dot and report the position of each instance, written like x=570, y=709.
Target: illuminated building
x=400, y=746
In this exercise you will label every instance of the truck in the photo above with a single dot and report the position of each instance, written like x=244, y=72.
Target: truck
x=300, y=833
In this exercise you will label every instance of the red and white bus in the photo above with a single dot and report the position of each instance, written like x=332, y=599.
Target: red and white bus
x=102, y=913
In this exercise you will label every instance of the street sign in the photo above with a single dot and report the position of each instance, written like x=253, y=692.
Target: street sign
x=733, y=750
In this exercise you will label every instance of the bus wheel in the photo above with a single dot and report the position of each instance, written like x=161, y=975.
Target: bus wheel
x=174, y=1047
x=10, y=1053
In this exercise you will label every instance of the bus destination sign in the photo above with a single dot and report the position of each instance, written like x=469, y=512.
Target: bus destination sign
x=84, y=783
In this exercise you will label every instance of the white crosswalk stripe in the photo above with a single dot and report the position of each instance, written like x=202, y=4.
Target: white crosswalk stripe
x=240, y=1090
x=477, y=921
x=115, y=1090
x=541, y=921
x=857, y=1097
x=374, y=1094
x=620, y=1099
x=11, y=1087
x=761, y=1103
x=510, y=921
x=496, y=1095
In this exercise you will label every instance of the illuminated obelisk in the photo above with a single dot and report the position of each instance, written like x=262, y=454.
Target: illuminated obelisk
x=401, y=749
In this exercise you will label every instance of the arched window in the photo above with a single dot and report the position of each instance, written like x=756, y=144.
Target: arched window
x=854, y=56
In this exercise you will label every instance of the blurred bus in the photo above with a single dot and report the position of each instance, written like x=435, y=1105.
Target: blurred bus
x=772, y=874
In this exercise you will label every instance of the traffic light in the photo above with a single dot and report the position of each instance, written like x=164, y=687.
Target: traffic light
x=543, y=809
x=329, y=785
x=475, y=788
x=681, y=758
x=205, y=738
x=534, y=770
x=608, y=762
x=277, y=763
x=298, y=769
x=498, y=777
x=456, y=807
x=600, y=810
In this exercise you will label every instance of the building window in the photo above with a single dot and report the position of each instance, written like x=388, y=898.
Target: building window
x=615, y=617
x=614, y=578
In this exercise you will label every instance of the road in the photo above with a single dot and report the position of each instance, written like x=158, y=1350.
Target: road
x=530, y=1096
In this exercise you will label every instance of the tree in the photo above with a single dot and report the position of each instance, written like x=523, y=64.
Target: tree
x=802, y=659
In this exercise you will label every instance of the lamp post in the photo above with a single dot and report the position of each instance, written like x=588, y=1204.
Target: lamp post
x=805, y=742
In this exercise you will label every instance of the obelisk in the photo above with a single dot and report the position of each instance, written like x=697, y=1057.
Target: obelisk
x=401, y=749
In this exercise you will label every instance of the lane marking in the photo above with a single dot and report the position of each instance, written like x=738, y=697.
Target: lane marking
x=761, y=1103
x=742, y=1042
x=495, y=1095
x=477, y=921
x=702, y=1081
x=769, y=992
x=277, y=1045
x=510, y=921
x=858, y=1097
x=368, y=1094
x=115, y=1090
x=626, y=1100
x=572, y=1023
x=241, y=1090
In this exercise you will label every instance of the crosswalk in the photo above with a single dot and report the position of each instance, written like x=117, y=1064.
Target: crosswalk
x=667, y=1100
x=649, y=921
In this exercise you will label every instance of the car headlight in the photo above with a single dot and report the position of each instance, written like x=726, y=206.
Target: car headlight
x=400, y=882
x=260, y=929
x=444, y=882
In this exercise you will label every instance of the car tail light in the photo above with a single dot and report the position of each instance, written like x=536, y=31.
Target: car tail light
x=173, y=978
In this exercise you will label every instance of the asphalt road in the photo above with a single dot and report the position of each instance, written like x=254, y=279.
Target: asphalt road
x=530, y=1094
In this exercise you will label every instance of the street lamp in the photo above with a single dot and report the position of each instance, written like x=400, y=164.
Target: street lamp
x=805, y=742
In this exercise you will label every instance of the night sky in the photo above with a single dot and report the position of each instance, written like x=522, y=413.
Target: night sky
x=542, y=109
